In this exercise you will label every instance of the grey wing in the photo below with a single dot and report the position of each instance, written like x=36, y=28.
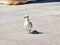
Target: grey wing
x=31, y=24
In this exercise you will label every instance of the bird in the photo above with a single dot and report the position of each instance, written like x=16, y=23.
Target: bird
x=27, y=24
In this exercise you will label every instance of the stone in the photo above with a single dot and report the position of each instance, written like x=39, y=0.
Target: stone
x=13, y=2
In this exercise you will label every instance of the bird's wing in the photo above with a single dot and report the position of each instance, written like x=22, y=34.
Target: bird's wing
x=31, y=24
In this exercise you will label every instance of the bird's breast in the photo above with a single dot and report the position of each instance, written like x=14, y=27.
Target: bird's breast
x=26, y=23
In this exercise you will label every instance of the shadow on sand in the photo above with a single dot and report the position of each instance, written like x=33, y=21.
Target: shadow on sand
x=36, y=32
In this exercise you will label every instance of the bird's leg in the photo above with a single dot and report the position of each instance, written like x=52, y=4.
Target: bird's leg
x=30, y=31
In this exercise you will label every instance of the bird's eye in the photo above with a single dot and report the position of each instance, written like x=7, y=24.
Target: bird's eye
x=27, y=16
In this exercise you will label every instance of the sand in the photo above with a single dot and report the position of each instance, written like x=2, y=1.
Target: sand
x=44, y=16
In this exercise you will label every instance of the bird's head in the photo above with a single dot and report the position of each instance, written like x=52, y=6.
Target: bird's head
x=26, y=16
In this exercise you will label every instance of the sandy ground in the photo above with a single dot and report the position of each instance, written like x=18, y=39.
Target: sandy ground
x=44, y=16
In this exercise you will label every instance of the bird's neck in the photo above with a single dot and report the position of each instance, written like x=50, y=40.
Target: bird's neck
x=27, y=19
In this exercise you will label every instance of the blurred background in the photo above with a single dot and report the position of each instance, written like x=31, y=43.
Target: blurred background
x=43, y=0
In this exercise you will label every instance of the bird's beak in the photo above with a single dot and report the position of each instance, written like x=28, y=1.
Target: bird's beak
x=24, y=17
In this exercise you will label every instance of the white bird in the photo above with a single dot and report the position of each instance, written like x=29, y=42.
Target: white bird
x=27, y=23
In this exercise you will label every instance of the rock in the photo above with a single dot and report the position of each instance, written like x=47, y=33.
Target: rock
x=13, y=2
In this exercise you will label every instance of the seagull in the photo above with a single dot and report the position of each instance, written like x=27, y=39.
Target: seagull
x=27, y=23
